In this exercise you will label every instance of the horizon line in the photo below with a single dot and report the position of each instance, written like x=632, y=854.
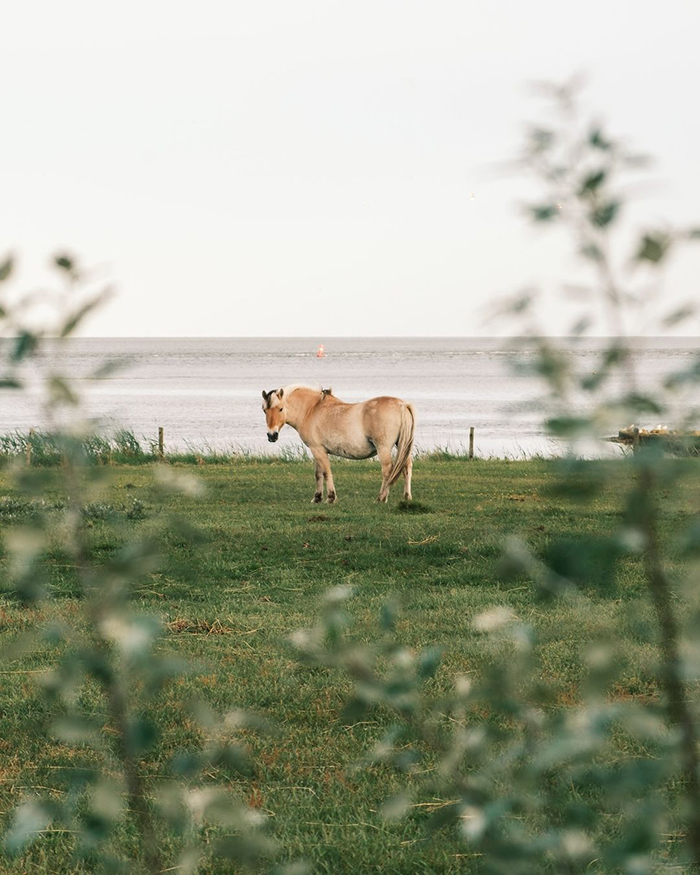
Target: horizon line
x=365, y=337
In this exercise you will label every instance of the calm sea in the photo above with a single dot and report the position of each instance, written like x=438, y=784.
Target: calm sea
x=206, y=391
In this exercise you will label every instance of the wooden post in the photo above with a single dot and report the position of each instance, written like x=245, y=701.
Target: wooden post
x=161, y=448
x=471, y=442
x=635, y=439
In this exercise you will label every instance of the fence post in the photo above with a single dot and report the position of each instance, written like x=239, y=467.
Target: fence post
x=161, y=447
x=635, y=439
x=29, y=447
x=471, y=442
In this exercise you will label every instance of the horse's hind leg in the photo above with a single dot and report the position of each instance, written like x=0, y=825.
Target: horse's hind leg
x=407, y=471
x=384, y=455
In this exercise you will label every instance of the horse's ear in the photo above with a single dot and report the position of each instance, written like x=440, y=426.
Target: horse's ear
x=264, y=395
x=280, y=393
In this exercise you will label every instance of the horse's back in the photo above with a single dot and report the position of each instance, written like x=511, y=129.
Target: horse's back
x=355, y=431
x=339, y=428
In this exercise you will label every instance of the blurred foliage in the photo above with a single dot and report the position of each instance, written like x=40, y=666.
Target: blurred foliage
x=114, y=651
x=526, y=779
x=529, y=782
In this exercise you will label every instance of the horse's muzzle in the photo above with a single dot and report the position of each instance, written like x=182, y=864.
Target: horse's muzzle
x=272, y=436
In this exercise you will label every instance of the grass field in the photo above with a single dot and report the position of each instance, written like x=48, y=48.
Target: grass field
x=266, y=558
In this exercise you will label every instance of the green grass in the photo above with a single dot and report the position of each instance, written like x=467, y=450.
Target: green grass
x=266, y=558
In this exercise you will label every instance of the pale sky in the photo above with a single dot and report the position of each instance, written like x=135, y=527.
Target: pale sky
x=305, y=168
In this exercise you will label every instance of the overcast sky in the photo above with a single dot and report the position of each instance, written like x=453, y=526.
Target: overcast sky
x=306, y=168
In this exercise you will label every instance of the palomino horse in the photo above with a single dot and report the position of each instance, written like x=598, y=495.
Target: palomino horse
x=329, y=426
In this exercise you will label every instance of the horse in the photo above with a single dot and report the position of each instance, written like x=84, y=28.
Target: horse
x=329, y=426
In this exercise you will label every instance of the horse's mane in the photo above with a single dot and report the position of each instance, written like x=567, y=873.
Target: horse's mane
x=292, y=387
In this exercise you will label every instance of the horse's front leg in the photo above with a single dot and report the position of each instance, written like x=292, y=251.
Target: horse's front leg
x=330, y=485
x=318, y=495
x=324, y=466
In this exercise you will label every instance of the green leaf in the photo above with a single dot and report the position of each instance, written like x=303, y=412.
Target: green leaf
x=105, y=807
x=6, y=268
x=544, y=213
x=136, y=635
x=428, y=662
x=691, y=374
x=141, y=735
x=581, y=326
x=606, y=213
x=387, y=617
x=107, y=368
x=592, y=183
x=541, y=139
x=186, y=764
x=28, y=820
x=25, y=344
x=569, y=426
x=244, y=848
x=614, y=355
x=592, y=252
x=445, y=816
x=74, y=729
x=73, y=321
x=234, y=757
x=679, y=315
x=643, y=403
x=690, y=539
x=598, y=141
x=396, y=806
x=519, y=304
x=585, y=560
x=654, y=247
x=354, y=710
x=61, y=392
x=97, y=666
x=64, y=261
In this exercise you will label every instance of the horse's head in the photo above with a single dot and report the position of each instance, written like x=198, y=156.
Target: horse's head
x=275, y=416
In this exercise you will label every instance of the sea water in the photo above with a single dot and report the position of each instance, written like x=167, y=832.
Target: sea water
x=206, y=392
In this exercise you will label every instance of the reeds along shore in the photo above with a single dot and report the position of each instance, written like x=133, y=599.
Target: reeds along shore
x=43, y=449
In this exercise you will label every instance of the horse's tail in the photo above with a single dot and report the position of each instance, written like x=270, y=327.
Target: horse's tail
x=404, y=444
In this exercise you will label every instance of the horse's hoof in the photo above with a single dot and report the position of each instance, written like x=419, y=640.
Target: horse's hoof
x=382, y=499
x=331, y=498
x=317, y=499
